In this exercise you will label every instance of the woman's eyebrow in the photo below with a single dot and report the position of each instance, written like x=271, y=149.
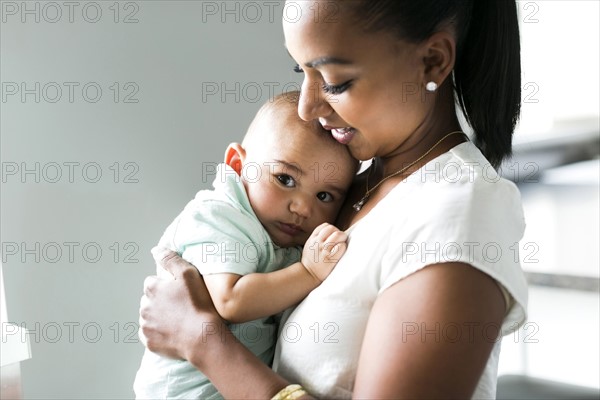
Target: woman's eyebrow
x=327, y=60
x=323, y=61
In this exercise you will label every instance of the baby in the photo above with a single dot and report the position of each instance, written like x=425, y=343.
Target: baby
x=275, y=192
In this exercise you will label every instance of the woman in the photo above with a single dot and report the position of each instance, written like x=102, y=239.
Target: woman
x=431, y=277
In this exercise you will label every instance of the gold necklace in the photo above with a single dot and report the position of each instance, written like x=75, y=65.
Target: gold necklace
x=359, y=204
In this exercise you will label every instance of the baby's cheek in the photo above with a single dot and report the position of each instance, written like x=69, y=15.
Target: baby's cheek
x=263, y=197
x=329, y=214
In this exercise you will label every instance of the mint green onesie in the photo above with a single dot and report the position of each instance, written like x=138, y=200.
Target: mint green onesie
x=217, y=232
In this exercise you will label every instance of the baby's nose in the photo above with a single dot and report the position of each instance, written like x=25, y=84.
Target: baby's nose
x=301, y=206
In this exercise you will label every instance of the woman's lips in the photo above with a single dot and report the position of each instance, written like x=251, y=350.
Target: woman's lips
x=342, y=135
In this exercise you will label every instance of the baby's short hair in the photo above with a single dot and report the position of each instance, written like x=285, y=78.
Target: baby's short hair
x=285, y=106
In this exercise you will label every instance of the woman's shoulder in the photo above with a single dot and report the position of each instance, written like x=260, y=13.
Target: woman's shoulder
x=458, y=209
x=463, y=167
x=461, y=185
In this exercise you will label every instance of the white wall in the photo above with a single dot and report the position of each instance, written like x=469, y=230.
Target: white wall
x=171, y=137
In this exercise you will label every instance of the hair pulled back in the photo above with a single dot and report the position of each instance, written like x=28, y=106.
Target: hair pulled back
x=487, y=72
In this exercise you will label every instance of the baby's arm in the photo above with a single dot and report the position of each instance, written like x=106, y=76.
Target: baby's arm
x=244, y=298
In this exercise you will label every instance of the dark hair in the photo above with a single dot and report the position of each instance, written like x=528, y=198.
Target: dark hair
x=487, y=72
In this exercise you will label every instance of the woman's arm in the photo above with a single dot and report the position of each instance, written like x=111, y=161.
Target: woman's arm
x=430, y=335
x=401, y=357
x=178, y=320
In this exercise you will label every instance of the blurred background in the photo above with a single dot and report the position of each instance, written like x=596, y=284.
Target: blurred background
x=115, y=113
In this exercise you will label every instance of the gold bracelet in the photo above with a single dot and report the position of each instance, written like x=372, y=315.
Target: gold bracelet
x=296, y=395
x=290, y=392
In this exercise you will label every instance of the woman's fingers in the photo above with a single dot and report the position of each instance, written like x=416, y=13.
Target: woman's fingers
x=172, y=262
x=142, y=317
x=175, y=308
x=149, y=284
x=183, y=271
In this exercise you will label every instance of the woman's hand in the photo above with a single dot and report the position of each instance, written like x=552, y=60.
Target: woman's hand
x=178, y=320
x=176, y=313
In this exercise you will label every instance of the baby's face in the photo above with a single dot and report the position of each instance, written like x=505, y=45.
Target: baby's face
x=296, y=182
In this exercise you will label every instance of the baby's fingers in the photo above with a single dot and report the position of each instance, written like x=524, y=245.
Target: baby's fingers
x=336, y=236
x=324, y=231
x=335, y=251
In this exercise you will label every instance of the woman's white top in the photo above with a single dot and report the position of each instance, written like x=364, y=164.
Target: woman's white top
x=454, y=209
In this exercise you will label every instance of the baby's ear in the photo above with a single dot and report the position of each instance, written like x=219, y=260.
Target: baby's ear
x=234, y=157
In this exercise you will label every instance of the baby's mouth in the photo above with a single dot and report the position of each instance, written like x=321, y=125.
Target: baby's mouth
x=290, y=229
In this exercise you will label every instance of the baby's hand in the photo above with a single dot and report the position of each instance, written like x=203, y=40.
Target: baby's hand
x=323, y=250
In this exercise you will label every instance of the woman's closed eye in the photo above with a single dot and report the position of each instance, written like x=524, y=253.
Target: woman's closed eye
x=325, y=197
x=286, y=180
x=336, y=89
x=328, y=88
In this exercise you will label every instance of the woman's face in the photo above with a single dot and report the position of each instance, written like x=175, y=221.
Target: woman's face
x=367, y=88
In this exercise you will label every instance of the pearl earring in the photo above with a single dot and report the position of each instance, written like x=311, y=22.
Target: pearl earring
x=431, y=86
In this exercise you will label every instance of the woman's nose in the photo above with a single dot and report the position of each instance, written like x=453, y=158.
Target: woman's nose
x=312, y=103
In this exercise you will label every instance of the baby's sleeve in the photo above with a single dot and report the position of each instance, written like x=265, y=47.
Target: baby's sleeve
x=216, y=237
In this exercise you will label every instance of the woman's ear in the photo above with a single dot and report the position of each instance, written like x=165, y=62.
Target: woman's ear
x=234, y=157
x=439, y=57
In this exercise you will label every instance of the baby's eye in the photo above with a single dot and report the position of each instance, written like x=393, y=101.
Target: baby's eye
x=325, y=197
x=298, y=69
x=286, y=180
